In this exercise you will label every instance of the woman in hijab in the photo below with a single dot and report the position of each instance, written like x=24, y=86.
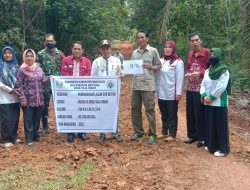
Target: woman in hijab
x=30, y=80
x=214, y=91
x=169, y=88
x=9, y=106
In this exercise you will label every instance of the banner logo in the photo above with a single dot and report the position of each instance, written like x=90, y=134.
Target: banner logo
x=110, y=84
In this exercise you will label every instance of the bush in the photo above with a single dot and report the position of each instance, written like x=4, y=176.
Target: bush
x=240, y=79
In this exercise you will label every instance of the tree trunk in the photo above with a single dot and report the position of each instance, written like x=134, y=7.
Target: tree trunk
x=228, y=23
x=23, y=25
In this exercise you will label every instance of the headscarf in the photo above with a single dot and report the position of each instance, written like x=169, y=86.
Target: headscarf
x=215, y=71
x=8, y=69
x=25, y=65
x=174, y=55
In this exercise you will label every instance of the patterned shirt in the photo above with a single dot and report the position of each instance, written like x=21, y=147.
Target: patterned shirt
x=50, y=62
x=197, y=63
x=30, y=84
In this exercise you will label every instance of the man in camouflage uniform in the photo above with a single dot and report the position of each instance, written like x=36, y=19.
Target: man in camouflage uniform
x=50, y=60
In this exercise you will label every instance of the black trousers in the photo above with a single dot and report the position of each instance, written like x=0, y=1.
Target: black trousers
x=9, y=118
x=216, y=125
x=195, y=115
x=45, y=109
x=31, y=117
x=169, y=117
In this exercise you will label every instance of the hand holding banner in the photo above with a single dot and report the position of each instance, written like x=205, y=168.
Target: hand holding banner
x=86, y=104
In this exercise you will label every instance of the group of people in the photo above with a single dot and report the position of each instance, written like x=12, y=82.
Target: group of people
x=206, y=95
x=207, y=98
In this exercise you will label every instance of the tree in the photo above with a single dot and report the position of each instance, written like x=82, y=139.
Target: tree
x=85, y=21
x=20, y=26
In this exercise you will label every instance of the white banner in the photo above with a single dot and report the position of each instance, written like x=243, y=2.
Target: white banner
x=86, y=104
x=133, y=67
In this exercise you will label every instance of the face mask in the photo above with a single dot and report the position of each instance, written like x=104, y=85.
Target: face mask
x=214, y=60
x=50, y=45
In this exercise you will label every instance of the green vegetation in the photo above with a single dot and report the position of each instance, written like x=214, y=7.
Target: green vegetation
x=222, y=23
x=31, y=178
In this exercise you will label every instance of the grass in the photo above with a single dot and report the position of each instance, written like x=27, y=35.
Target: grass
x=30, y=178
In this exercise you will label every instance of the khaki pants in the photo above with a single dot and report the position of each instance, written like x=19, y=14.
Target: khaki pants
x=148, y=99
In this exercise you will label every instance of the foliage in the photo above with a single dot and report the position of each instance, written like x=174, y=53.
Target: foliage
x=245, y=32
x=144, y=16
x=88, y=21
x=30, y=178
x=20, y=26
x=222, y=23
x=240, y=79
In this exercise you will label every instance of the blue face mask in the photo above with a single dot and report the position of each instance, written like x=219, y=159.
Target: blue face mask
x=50, y=45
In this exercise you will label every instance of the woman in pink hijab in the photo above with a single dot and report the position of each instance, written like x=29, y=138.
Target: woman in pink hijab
x=30, y=80
x=169, y=88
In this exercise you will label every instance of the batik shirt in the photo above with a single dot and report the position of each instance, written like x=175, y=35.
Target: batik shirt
x=197, y=63
x=30, y=84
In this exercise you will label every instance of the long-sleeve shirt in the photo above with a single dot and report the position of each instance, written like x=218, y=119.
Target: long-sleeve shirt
x=5, y=96
x=197, y=63
x=72, y=67
x=170, y=79
x=215, y=89
x=106, y=67
x=50, y=62
x=30, y=84
x=147, y=80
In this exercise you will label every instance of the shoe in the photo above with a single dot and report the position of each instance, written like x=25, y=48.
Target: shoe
x=117, y=138
x=83, y=136
x=200, y=144
x=30, y=144
x=190, y=140
x=206, y=148
x=138, y=136
x=70, y=138
x=218, y=153
x=102, y=139
x=45, y=130
x=169, y=139
x=152, y=139
x=161, y=136
x=7, y=145
x=38, y=139
x=18, y=141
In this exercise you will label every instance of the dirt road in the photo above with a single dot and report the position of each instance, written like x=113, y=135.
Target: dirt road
x=138, y=165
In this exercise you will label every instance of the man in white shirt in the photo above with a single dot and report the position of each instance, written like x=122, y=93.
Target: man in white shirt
x=107, y=65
